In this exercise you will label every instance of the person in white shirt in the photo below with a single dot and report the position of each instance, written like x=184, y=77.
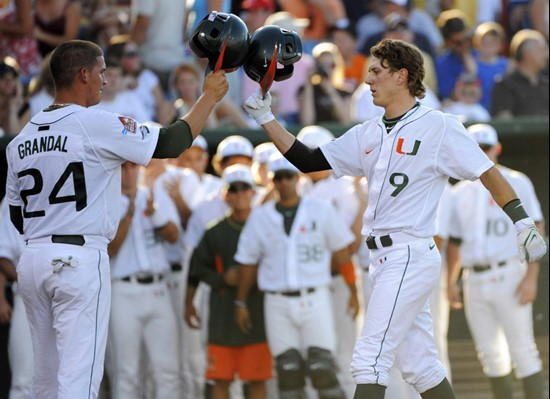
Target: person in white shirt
x=499, y=285
x=141, y=310
x=286, y=247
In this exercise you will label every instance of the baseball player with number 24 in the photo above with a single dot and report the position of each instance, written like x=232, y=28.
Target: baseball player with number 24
x=407, y=156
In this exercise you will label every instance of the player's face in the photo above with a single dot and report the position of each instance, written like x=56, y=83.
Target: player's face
x=285, y=183
x=383, y=82
x=194, y=158
x=96, y=81
x=239, y=196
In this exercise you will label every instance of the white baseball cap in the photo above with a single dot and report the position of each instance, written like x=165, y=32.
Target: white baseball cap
x=314, y=136
x=200, y=142
x=237, y=173
x=263, y=151
x=235, y=145
x=484, y=134
x=278, y=162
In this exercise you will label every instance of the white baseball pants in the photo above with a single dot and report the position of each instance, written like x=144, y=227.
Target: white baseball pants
x=20, y=350
x=68, y=313
x=398, y=324
x=143, y=314
x=502, y=329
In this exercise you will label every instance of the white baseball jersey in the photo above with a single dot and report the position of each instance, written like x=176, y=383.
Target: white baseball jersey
x=64, y=169
x=404, y=189
x=488, y=235
x=300, y=259
x=142, y=251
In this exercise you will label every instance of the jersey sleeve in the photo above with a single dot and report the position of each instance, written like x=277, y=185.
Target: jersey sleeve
x=343, y=154
x=118, y=137
x=12, y=183
x=459, y=156
x=249, y=247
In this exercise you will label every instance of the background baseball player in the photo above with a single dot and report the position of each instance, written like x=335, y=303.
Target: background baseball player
x=499, y=286
x=407, y=156
x=230, y=351
x=288, y=243
x=342, y=195
x=141, y=309
x=63, y=188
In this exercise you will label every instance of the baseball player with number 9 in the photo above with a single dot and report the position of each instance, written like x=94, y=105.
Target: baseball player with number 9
x=63, y=189
x=407, y=156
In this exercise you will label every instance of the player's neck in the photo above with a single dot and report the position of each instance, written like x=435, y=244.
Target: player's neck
x=69, y=97
x=398, y=108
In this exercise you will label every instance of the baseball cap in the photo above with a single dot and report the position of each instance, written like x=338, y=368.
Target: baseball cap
x=234, y=145
x=263, y=151
x=484, y=134
x=395, y=21
x=277, y=162
x=314, y=136
x=288, y=21
x=237, y=173
x=258, y=4
x=200, y=142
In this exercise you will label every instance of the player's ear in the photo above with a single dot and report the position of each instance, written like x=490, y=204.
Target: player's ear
x=403, y=76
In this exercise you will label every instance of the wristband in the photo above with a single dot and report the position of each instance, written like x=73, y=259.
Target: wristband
x=240, y=304
x=515, y=210
x=347, y=270
x=263, y=119
x=158, y=219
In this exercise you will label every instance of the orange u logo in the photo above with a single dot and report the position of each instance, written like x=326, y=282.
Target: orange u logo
x=399, y=148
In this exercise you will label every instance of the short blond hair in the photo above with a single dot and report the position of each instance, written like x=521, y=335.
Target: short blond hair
x=488, y=28
x=338, y=76
x=522, y=38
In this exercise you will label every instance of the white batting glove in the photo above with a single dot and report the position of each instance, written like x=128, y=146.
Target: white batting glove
x=259, y=108
x=531, y=244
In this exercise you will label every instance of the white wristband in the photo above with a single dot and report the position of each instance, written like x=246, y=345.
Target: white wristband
x=263, y=119
x=158, y=219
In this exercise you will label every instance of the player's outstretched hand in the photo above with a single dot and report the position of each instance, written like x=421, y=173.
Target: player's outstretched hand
x=531, y=244
x=258, y=106
x=215, y=85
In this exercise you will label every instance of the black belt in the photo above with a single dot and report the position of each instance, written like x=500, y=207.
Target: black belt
x=68, y=239
x=292, y=293
x=386, y=241
x=484, y=268
x=176, y=267
x=143, y=279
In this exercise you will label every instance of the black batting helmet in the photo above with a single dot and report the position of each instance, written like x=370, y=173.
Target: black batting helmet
x=260, y=54
x=219, y=32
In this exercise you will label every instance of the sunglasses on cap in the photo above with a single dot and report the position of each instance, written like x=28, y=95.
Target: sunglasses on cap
x=284, y=174
x=238, y=187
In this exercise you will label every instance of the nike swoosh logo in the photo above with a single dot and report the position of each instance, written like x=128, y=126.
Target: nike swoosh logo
x=368, y=152
x=431, y=246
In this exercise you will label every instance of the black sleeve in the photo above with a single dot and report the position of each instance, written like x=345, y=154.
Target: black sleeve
x=306, y=159
x=173, y=140
x=455, y=240
x=16, y=217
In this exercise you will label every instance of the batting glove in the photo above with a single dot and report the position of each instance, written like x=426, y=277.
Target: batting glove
x=259, y=107
x=531, y=244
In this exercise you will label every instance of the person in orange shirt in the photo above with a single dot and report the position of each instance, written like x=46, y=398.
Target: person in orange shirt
x=355, y=70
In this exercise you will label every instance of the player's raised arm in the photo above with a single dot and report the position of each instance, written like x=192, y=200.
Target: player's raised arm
x=531, y=244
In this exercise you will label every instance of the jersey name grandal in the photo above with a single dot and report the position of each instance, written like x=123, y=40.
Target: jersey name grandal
x=42, y=144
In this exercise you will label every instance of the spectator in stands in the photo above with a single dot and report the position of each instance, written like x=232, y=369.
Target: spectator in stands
x=457, y=58
x=41, y=89
x=13, y=114
x=157, y=29
x=255, y=12
x=491, y=66
x=345, y=38
x=325, y=97
x=56, y=21
x=16, y=39
x=106, y=23
x=142, y=81
x=371, y=27
x=524, y=91
x=465, y=102
x=187, y=86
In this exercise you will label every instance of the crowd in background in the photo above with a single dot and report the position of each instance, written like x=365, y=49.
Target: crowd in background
x=471, y=49
x=484, y=60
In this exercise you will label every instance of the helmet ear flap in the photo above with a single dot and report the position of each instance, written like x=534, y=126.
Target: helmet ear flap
x=284, y=73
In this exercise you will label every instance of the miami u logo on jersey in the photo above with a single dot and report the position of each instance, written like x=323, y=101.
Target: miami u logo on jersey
x=399, y=148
